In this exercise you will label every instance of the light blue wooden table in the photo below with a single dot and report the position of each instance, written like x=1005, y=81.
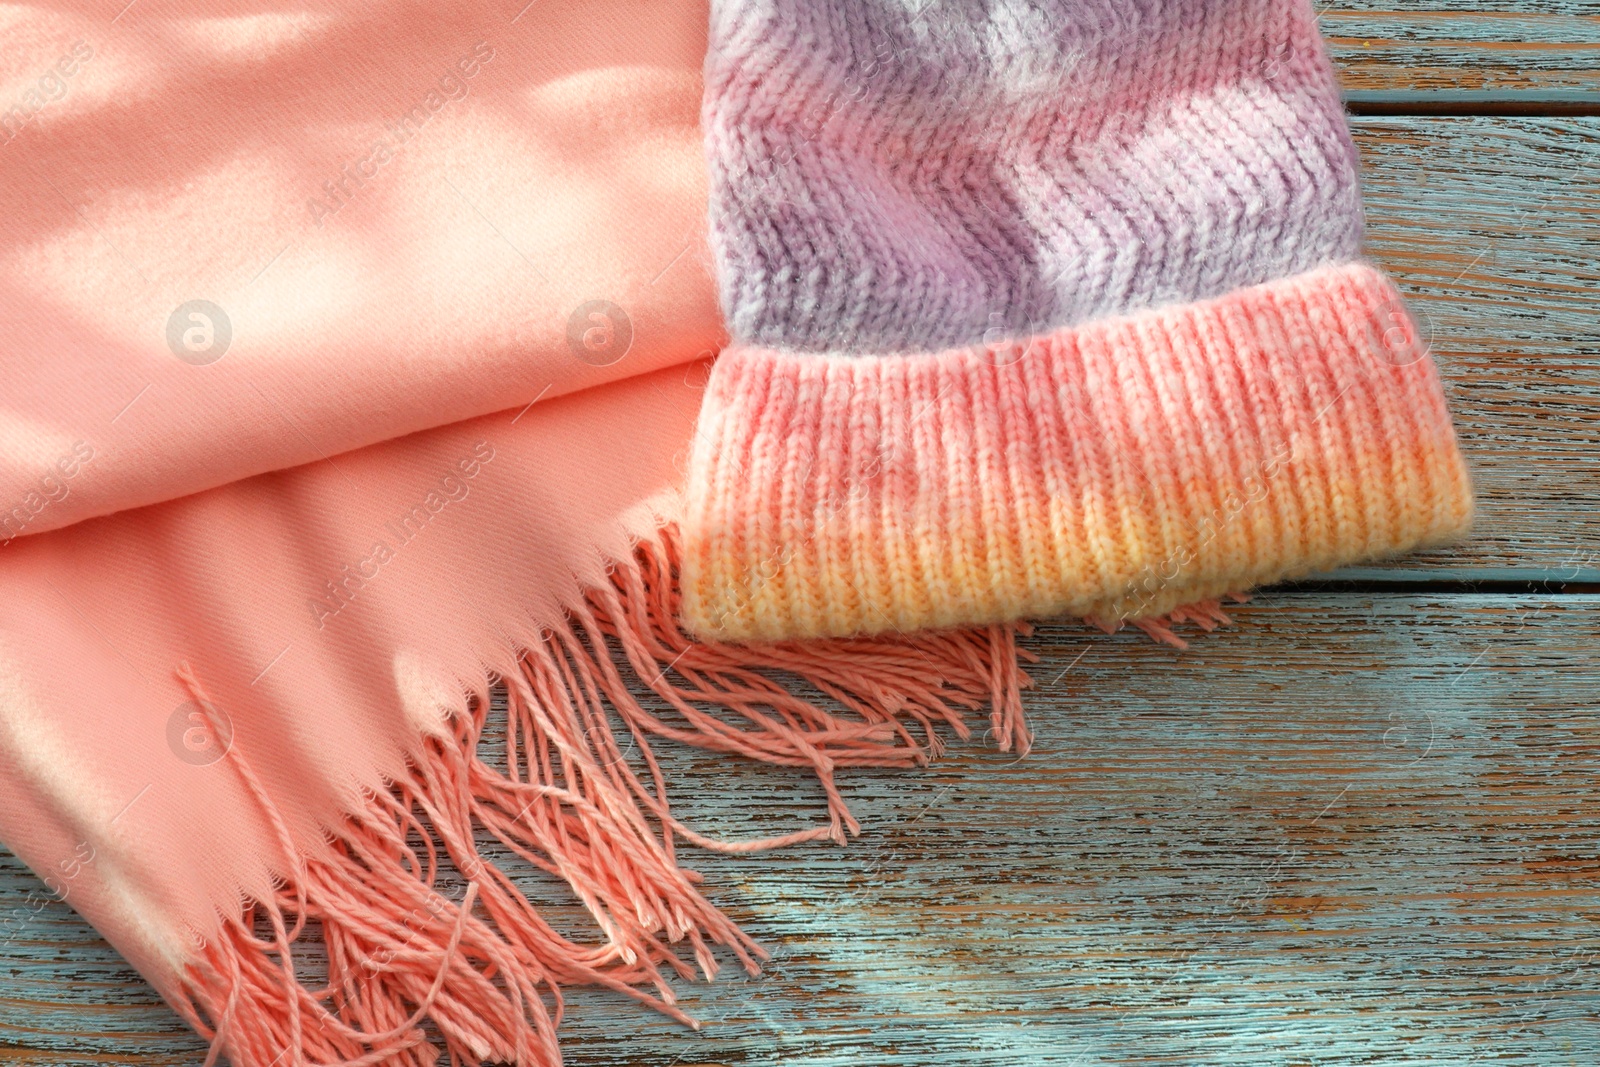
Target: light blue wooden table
x=1361, y=827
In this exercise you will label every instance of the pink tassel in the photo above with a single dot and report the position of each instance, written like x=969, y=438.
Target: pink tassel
x=587, y=802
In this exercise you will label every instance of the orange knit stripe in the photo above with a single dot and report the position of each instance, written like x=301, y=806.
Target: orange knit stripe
x=1117, y=469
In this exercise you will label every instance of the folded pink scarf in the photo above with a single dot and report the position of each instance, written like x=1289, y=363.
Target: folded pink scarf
x=359, y=368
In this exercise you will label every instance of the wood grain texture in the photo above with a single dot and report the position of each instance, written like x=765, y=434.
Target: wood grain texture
x=1363, y=827
x=1436, y=47
x=1351, y=830
x=1492, y=225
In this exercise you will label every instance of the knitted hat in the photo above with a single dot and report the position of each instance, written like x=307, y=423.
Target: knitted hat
x=1042, y=306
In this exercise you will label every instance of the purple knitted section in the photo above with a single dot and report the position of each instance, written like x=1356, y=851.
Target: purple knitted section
x=916, y=175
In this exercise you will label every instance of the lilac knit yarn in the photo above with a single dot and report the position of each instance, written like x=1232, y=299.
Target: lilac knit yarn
x=915, y=175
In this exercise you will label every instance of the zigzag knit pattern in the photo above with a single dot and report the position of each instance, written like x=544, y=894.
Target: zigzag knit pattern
x=919, y=175
x=1022, y=294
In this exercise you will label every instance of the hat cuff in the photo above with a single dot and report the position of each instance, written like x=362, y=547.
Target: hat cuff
x=1116, y=469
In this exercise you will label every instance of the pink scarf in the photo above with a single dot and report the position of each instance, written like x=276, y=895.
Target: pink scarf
x=353, y=369
x=246, y=670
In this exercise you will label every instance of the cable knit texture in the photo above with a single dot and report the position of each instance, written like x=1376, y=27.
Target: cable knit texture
x=1021, y=292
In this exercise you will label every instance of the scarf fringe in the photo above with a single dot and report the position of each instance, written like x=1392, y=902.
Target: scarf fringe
x=1206, y=614
x=586, y=802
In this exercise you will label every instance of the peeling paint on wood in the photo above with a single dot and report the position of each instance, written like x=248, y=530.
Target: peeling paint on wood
x=1492, y=226
x=1353, y=829
x=1385, y=47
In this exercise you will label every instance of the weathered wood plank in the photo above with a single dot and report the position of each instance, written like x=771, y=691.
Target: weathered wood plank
x=1508, y=8
x=1491, y=224
x=1436, y=47
x=1352, y=830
